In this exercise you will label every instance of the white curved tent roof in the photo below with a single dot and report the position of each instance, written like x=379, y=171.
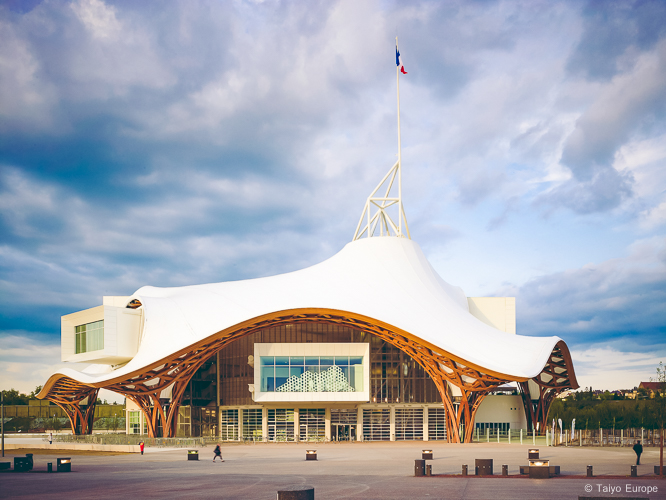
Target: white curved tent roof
x=384, y=278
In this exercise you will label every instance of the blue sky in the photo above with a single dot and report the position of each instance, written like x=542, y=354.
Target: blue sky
x=173, y=143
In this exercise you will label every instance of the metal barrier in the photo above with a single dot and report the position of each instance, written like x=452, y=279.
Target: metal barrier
x=135, y=439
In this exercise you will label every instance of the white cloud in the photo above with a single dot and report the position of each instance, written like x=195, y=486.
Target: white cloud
x=27, y=360
x=227, y=140
x=25, y=98
x=605, y=300
x=98, y=18
x=654, y=217
x=605, y=367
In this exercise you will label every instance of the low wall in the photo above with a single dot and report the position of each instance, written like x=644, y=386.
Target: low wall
x=123, y=448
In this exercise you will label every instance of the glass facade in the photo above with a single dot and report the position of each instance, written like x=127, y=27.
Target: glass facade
x=311, y=374
x=281, y=424
x=195, y=421
x=202, y=388
x=134, y=422
x=89, y=337
x=252, y=424
x=396, y=381
x=394, y=376
x=312, y=424
x=229, y=425
x=377, y=424
x=408, y=424
x=436, y=424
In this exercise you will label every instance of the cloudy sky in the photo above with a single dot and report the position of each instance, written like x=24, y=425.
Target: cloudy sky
x=170, y=143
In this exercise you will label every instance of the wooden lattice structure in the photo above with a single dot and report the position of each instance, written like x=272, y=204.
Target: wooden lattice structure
x=77, y=401
x=148, y=386
x=557, y=376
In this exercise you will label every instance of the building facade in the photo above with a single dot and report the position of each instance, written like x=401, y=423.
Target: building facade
x=371, y=344
x=401, y=401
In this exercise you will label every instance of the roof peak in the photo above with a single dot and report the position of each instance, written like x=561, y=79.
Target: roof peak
x=380, y=213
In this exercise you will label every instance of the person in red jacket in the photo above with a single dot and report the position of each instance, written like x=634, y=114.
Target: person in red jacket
x=141, y=445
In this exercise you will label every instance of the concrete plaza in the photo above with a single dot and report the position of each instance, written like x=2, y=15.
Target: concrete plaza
x=343, y=470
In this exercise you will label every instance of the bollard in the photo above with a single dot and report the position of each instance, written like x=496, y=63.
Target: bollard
x=634, y=471
x=49, y=467
x=589, y=471
x=428, y=470
x=64, y=464
x=483, y=466
x=299, y=492
x=21, y=464
x=419, y=468
x=505, y=470
x=464, y=470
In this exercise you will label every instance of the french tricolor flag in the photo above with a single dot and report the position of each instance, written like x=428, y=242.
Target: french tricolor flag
x=398, y=61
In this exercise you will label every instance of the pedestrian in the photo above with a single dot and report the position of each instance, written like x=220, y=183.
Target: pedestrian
x=141, y=445
x=218, y=453
x=50, y=438
x=638, y=448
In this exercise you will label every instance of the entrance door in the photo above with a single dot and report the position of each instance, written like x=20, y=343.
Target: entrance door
x=345, y=432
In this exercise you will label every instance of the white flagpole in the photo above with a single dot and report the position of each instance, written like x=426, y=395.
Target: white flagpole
x=397, y=76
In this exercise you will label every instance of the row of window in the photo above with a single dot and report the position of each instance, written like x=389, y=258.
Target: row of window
x=311, y=360
x=409, y=424
x=311, y=374
x=394, y=376
x=89, y=337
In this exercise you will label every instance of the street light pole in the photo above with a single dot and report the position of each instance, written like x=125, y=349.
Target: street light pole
x=2, y=419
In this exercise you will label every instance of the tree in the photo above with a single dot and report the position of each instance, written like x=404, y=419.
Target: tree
x=660, y=410
x=33, y=394
x=13, y=397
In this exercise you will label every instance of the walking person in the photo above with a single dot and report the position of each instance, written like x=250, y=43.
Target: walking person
x=638, y=448
x=50, y=438
x=141, y=445
x=218, y=453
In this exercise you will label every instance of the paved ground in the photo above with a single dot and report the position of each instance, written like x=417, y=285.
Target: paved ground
x=350, y=470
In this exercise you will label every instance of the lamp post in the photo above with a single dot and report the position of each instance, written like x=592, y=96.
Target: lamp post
x=2, y=419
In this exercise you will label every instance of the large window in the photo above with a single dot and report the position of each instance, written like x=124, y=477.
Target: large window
x=229, y=425
x=90, y=337
x=252, y=424
x=134, y=422
x=393, y=377
x=281, y=424
x=311, y=373
x=436, y=424
x=377, y=424
x=408, y=424
x=312, y=422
